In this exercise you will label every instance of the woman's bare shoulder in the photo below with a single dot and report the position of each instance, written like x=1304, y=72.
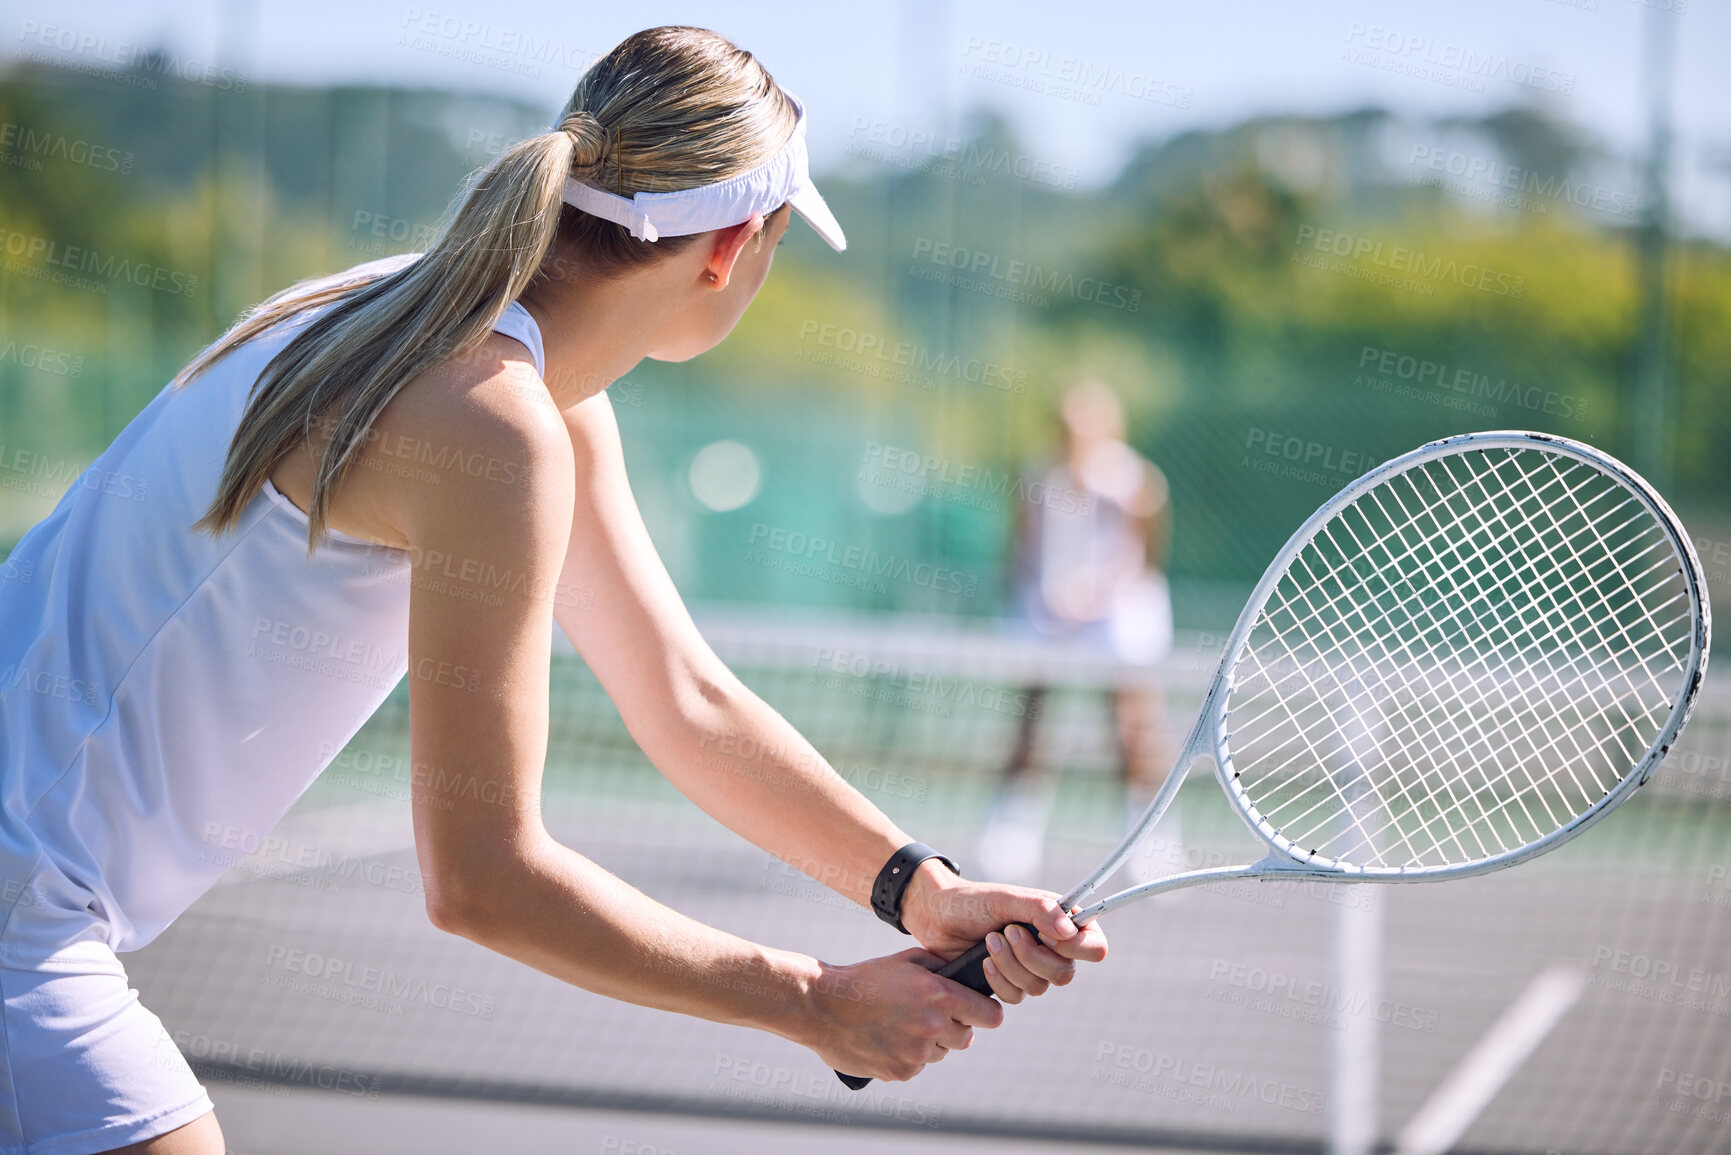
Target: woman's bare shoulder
x=476, y=435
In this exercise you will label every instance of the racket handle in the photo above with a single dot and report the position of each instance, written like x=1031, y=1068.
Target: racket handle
x=967, y=968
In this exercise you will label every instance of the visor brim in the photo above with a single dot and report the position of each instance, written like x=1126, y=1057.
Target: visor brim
x=809, y=204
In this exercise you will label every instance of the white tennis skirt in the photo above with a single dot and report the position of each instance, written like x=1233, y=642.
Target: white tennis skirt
x=84, y=1067
x=1137, y=629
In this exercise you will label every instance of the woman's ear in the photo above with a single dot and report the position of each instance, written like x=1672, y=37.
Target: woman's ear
x=729, y=243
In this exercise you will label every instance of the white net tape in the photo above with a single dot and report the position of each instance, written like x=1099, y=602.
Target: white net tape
x=1460, y=662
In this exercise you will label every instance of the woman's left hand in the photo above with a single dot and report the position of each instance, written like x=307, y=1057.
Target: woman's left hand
x=948, y=914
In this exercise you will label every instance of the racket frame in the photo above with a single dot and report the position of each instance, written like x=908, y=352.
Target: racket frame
x=1208, y=737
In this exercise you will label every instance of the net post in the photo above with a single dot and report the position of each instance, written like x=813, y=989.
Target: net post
x=1354, y=1058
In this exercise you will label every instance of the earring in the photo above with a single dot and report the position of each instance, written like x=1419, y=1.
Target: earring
x=711, y=275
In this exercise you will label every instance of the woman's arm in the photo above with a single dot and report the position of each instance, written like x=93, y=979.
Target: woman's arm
x=478, y=695
x=693, y=718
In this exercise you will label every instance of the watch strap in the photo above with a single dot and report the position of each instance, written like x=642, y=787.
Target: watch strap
x=892, y=881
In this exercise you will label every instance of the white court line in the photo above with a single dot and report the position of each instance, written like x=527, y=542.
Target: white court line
x=1489, y=1065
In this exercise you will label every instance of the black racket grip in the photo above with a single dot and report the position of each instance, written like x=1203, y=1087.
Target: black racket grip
x=967, y=968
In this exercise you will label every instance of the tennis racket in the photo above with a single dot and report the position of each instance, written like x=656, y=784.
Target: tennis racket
x=1462, y=660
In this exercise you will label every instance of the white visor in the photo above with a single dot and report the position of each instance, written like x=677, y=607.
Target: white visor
x=783, y=179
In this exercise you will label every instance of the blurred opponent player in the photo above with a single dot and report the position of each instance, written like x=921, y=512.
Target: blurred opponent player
x=1089, y=572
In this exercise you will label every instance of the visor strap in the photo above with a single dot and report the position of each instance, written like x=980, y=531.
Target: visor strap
x=609, y=207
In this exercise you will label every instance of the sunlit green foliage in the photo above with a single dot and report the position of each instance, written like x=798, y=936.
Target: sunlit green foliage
x=1206, y=283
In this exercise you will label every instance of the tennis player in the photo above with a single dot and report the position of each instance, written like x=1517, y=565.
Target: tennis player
x=235, y=585
x=1089, y=574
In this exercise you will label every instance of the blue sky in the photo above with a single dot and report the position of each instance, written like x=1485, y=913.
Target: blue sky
x=1081, y=80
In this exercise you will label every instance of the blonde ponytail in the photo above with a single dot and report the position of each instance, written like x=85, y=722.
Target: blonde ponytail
x=669, y=108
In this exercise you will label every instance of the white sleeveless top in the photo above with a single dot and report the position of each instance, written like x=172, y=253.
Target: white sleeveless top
x=1087, y=531
x=166, y=695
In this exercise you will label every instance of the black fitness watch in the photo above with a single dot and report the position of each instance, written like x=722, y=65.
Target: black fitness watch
x=892, y=881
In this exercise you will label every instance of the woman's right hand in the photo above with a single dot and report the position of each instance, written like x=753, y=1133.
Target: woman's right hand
x=886, y=1018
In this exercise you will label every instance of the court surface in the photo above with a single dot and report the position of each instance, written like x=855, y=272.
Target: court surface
x=313, y=995
x=260, y=1123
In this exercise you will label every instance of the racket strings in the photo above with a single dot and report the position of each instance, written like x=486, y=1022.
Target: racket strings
x=1460, y=662
x=1325, y=655
x=1519, y=800
x=1377, y=788
x=1376, y=629
x=1629, y=581
x=1572, y=656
